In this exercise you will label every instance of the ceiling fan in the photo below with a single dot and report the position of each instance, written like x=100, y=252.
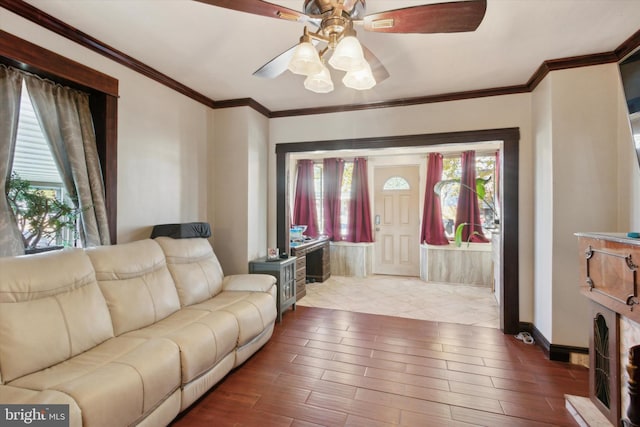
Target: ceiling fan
x=335, y=20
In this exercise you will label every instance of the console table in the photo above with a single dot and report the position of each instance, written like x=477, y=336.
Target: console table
x=284, y=270
x=313, y=263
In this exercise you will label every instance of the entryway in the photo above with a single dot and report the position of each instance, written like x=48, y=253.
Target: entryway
x=408, y=297
x=509, y=246
x=396, y=220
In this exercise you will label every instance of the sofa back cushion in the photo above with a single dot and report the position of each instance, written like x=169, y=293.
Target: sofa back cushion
x=194, y=267
x=51, y=309
x=135, y=282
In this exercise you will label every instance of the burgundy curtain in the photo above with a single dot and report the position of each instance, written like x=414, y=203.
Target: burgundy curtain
x=496, y=180
x=359, y=229
x=304, y=204
x=432, y=226
x=468, y=210
x=332, y=170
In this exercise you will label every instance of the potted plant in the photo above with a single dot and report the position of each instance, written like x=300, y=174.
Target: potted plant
x=38, y=214
x=480, y=191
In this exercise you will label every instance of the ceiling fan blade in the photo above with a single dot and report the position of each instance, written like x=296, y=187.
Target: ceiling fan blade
x=276, y=66
x=263, y=8
x=378, y=70
x=279, y=64
x=454, y=17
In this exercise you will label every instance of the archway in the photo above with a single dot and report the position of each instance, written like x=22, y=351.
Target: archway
x=510, y=137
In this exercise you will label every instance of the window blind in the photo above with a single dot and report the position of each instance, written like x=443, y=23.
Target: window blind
x=33, y=160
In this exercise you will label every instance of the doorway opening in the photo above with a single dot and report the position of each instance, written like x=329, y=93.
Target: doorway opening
x=508, y=250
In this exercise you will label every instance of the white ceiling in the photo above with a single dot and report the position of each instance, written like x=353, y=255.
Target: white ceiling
x=214, y=51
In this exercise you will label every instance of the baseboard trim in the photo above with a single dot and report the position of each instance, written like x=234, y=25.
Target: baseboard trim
x=555, y=352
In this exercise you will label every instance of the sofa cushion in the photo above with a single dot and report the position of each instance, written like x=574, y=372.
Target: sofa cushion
x=23, y=396
x=254, y=311
x=115, y=383
x=204, y=338
x=135, y=282
x=194, y=267
x=54, y=312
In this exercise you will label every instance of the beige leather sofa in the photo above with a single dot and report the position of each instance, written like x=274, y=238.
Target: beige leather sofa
x=129, y=334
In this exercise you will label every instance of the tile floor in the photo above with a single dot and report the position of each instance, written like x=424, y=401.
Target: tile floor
x=408, y=297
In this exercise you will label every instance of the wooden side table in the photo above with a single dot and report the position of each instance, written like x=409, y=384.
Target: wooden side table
x=284, y=270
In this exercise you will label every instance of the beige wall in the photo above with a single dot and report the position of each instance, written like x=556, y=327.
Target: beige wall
x=162, y=140
x=543, y=208
x=239, y=163
x=180, y=161
x=576, y=173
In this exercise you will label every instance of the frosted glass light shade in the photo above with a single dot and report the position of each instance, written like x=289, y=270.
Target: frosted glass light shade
x=305, y=60
x=320, y=82
x=361, y=80
x=348, y=55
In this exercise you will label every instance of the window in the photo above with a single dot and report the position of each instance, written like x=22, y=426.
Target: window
x=452, y=170
x=345, y=197
x=318, y=189
x=45, y=215
x=103, y=91
x=396, y=183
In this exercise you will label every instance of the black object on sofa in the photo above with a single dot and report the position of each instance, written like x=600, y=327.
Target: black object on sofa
x=185, y=230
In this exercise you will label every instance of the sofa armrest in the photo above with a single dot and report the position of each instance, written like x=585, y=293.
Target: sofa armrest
x=248, y=282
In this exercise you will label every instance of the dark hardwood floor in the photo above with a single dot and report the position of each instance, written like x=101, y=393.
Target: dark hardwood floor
x=336, y=368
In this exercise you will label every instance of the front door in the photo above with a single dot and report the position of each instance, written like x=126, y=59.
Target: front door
x=397, y=220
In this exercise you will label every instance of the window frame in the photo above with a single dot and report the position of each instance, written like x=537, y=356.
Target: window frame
x=103, y=103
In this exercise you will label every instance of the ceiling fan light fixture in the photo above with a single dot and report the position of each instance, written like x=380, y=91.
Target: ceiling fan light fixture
x=305, y=60
x=348, y=55
x=320, y=82
x=361, y=79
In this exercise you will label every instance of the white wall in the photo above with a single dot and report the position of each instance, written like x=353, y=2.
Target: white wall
x=239, y=163
x=543, y=209
x=473, y=114
x=162, y=140
x=257, y=167
x=577, y=164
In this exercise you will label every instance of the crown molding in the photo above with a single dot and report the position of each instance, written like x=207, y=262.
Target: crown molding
x=59, y=27
x=51, y=23
x=566, y=63
x=243, y=102
x=482, y=93
x=628, y=46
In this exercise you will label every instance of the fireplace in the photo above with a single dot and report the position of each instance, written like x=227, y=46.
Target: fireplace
x=604, y=362
x=608, y=270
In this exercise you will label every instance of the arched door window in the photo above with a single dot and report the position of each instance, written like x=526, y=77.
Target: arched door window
x=396, y=183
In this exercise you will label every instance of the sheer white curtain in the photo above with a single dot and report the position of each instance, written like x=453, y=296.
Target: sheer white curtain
x=10, y=88
x=66, y=122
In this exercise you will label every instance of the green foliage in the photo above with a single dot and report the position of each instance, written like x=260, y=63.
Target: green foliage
x=458, y=236
x=480, y=191
x=38, y=214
